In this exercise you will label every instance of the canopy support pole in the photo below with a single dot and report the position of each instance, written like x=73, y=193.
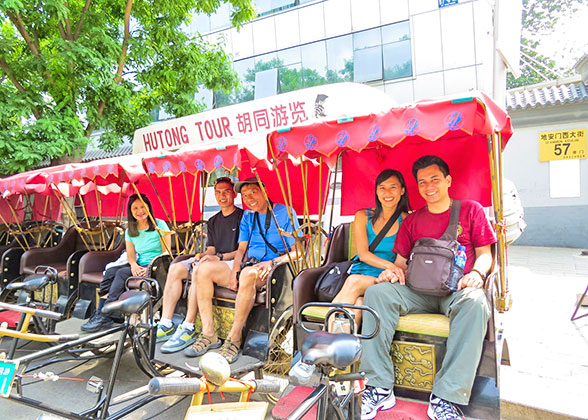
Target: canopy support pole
x=503, y=299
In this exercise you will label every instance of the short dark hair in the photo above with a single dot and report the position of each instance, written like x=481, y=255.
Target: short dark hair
x=226, y=179
x=429, y=160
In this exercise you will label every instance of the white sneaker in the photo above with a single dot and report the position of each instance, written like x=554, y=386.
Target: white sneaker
x=375, y=399
x=440, y=409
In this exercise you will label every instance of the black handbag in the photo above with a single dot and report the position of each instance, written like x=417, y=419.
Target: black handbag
x=331, y=281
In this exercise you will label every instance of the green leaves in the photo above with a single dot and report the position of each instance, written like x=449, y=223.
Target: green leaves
x=63, y=84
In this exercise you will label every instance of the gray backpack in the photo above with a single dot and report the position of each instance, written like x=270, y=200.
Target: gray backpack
x=430, y=261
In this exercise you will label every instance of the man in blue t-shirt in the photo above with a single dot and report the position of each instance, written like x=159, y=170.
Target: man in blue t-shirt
x=261, y=247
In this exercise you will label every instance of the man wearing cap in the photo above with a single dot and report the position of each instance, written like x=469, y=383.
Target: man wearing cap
x=261, y=247
x=223, y=233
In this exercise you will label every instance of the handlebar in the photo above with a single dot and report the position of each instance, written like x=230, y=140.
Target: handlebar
x=342, y=308
x=32, y=311
x=189, y=386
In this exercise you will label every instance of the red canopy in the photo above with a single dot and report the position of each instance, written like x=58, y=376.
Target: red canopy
x=248, y=157
x=454, y=129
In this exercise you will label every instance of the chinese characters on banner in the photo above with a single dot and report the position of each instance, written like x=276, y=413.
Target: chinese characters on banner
x=562, y=144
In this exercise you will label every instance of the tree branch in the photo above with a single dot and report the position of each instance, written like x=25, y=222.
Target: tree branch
x=125, y=44
x=4, y=65
x=121, y=62
x=61, y=31
x=68, y=25
x=17, y=22
x=81, y=21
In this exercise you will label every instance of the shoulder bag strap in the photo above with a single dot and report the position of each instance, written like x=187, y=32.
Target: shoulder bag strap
x=384, y=230
x=267, y=223
x=451, y=231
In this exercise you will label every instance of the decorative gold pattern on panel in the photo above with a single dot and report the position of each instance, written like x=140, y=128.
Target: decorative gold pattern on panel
x=40, y=297
x=414, y=365
x=223, y=320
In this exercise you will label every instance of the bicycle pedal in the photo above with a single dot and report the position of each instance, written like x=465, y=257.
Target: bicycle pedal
x=95, y=385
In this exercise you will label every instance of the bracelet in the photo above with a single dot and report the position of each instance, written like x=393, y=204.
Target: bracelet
x=483, y=276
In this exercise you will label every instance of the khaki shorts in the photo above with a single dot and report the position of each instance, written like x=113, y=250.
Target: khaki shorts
x=188, y=264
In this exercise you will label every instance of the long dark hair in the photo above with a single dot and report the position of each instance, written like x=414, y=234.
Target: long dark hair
x=403, y=204
x=132, y=226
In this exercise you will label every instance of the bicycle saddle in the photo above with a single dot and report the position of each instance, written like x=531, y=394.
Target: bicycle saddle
x=132, y=304
x=32, y=285
x=337, y=350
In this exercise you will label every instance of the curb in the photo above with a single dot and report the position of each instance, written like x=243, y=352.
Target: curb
x=514, y=411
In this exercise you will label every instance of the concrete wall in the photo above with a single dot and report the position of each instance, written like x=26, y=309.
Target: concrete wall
x=551, y=221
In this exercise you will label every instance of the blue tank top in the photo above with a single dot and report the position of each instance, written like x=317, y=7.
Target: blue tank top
x=383, y=250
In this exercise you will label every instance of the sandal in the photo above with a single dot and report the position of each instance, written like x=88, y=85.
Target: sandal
x=201, y=346
x=230, y=351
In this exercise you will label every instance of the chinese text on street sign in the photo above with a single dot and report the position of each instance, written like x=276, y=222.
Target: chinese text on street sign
x=562, y=144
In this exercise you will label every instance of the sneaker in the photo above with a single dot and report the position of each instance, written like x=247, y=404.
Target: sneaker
x=97, y=322
x=165, y=333
x=443, y=410
x=375, y=399
x=181, y=339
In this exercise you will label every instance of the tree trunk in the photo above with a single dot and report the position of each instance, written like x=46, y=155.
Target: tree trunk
x=74, y=157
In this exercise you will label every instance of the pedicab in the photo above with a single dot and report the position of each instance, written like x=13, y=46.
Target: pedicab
x=267, y=334
x=28, y=219
x=136, y=306
x=469, y=133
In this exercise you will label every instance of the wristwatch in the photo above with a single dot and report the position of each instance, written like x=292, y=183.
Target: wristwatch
x=219, y=255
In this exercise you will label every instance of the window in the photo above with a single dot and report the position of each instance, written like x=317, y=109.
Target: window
x=340, y=59
x=314, y=64
x=382, y=53
x=396, y=51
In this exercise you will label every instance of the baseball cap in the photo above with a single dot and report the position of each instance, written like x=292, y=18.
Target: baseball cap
x=248, y=181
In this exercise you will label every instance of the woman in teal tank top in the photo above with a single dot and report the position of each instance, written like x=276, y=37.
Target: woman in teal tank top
x=390, y=192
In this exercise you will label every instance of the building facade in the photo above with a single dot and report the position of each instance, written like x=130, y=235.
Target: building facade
x=411, y=49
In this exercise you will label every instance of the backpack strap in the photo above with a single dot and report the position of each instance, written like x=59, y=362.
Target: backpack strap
x=451, y=231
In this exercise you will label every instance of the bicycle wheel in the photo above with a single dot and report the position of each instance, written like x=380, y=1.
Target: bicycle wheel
x=279, y=358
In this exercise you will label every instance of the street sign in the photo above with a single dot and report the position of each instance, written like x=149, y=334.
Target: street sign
x=562, y=144
x=7, y=373
x=443, y=3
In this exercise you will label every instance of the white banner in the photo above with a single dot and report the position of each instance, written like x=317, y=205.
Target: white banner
x=262, y=116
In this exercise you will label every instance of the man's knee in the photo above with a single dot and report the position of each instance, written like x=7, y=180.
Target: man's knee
x=474, y=299
x=376, y=293
x=248, y=277
x=177, y=272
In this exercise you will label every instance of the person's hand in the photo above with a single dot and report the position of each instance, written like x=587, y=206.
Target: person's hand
x=137, y=270
x=263, y=269
x=233, y=282
x=196, y=259
x=471, y=279
x=392, y=275
x=208, y=258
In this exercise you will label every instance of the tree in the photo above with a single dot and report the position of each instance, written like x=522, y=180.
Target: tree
x=71, y=67
x=540, y=18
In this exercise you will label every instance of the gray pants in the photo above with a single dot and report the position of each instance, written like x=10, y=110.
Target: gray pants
x=468, y=312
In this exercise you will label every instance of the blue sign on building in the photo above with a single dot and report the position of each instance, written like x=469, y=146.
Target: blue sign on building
x=443, y=3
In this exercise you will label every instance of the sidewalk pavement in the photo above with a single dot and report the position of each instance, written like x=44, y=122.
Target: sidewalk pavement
x=548, y=376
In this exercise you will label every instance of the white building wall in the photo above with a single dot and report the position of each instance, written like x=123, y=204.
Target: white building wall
x=452, y=47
